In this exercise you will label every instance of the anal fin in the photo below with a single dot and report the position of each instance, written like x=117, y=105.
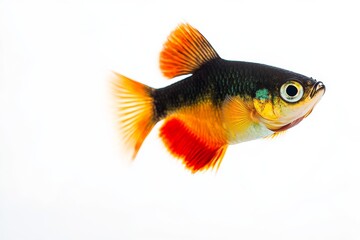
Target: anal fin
x=196, y=152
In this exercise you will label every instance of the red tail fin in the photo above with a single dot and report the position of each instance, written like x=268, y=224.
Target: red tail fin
x=134, y=110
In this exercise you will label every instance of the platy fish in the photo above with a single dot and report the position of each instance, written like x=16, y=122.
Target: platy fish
x=221, y=103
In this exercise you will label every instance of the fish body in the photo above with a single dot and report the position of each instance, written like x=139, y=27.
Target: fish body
x=221, y=103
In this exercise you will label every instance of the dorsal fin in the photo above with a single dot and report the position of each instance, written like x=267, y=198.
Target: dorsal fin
x=185, y=51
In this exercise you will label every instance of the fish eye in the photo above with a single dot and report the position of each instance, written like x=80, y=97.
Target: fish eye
x=291, y=91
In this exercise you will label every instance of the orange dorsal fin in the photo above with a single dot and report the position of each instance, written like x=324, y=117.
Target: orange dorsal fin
x=195, y=150
x=134, y=109
x=185, y=51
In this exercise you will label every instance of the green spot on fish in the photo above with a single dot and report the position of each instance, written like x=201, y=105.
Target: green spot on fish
x=262, y=94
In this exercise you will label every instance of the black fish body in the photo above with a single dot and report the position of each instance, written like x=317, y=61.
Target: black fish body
x=222, y=102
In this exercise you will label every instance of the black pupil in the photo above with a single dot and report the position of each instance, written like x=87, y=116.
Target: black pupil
x=291, y=90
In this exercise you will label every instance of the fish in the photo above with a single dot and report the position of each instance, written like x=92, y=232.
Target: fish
x=217, y=103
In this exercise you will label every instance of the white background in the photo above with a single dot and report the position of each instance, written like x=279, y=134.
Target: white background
x=63, y=175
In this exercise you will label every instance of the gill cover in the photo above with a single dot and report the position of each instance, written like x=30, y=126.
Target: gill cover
x=264, y=105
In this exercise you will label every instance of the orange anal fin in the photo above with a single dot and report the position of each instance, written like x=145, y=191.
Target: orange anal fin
x=197, y=154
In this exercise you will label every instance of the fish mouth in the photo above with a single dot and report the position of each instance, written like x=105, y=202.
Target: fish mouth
x=318, y=87
x=292, y=124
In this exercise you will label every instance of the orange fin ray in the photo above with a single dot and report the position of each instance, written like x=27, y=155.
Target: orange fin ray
x=238, y=116
x=185, y=51
x=134, y=109
x=197, y=153
x=275, y=135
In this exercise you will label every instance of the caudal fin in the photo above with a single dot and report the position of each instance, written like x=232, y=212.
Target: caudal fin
x=134, y=106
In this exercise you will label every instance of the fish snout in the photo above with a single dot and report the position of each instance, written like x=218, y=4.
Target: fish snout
x=318, y=86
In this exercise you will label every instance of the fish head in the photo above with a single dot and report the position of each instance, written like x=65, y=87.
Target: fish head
x=286, y=104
